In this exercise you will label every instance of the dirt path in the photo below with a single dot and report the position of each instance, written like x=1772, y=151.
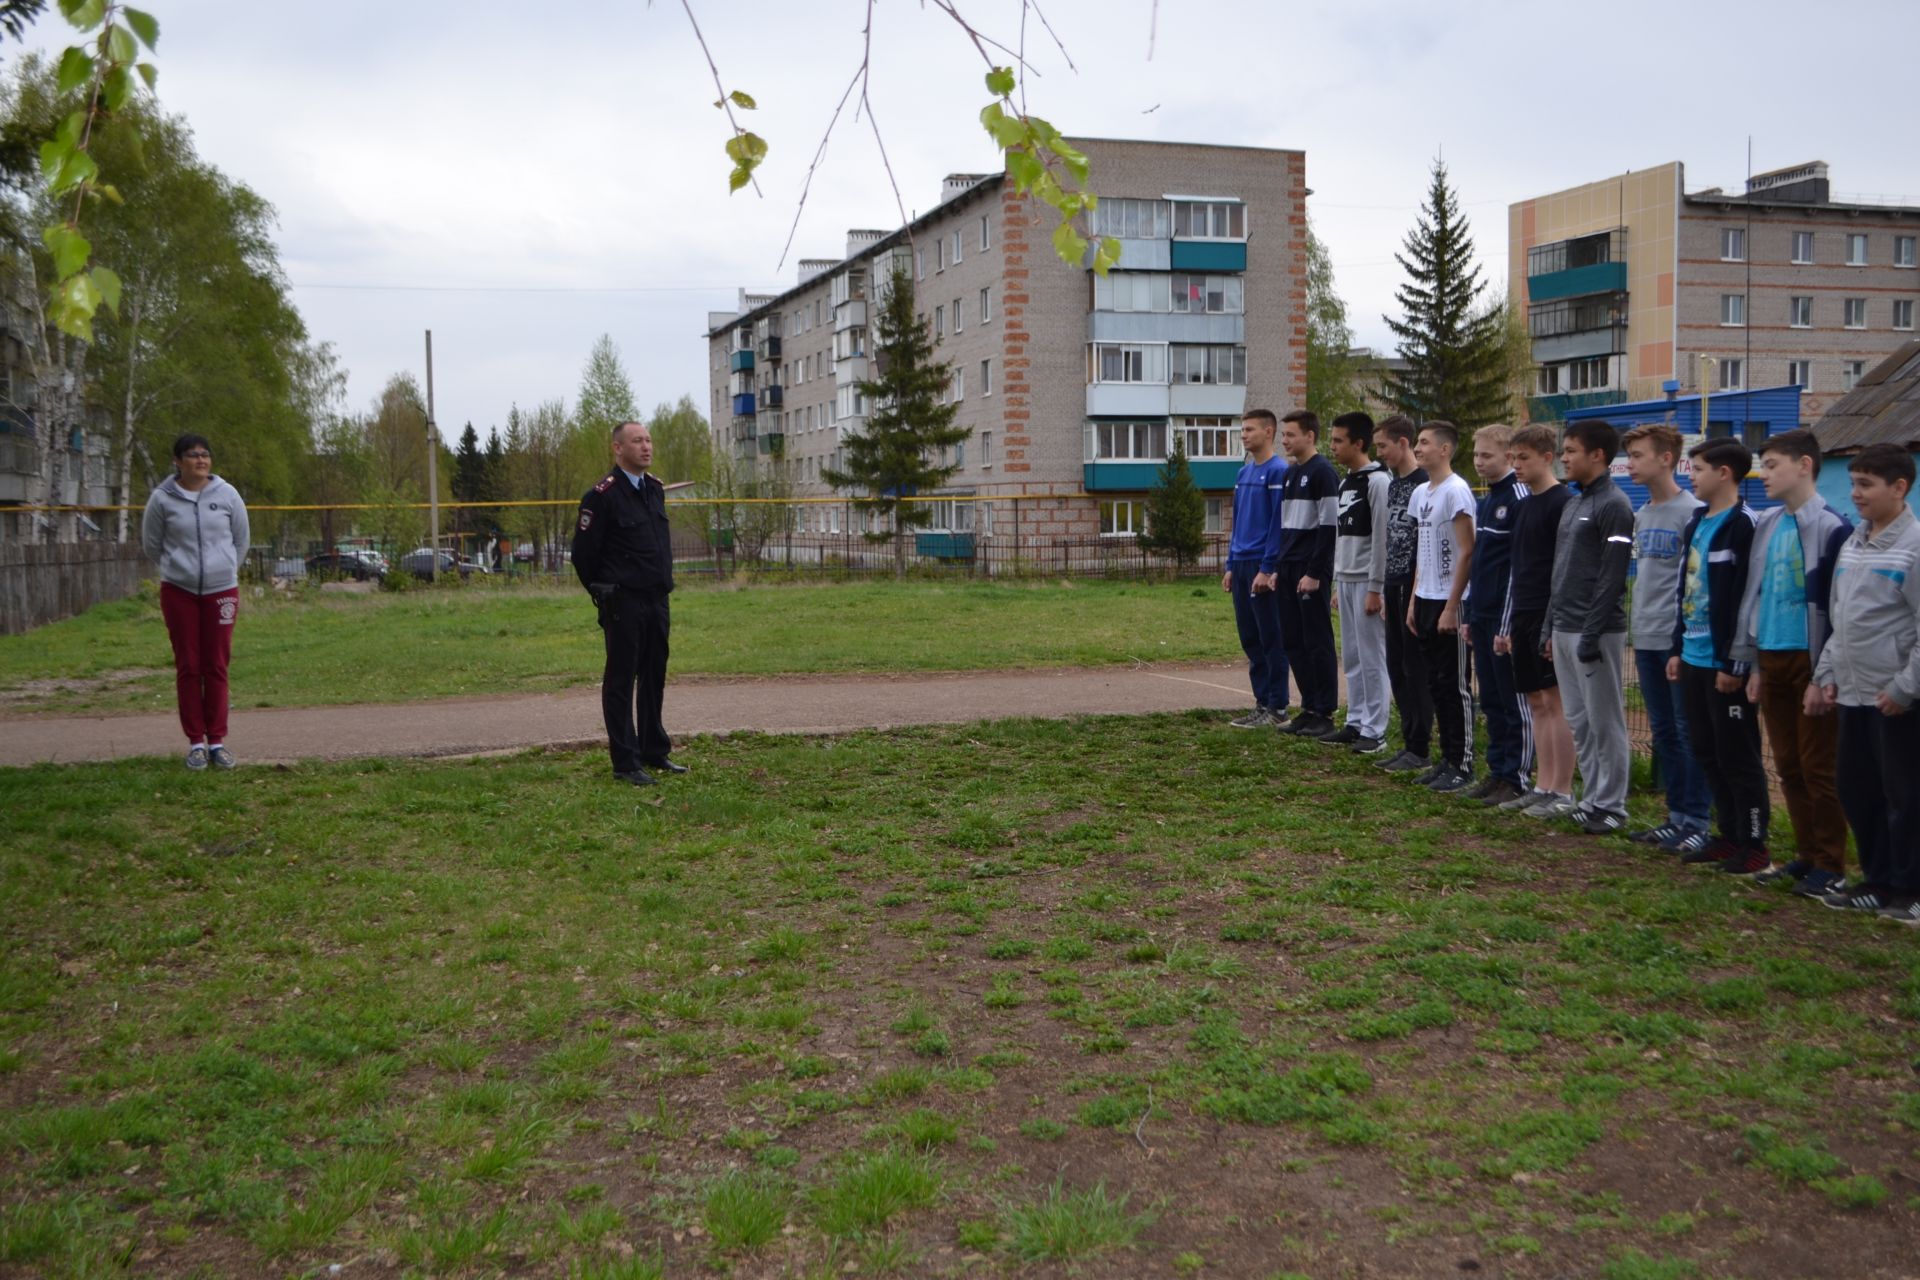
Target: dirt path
x=780, y=704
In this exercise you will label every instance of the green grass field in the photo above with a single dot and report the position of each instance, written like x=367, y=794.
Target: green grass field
x=315, y=649
x=1102, y=998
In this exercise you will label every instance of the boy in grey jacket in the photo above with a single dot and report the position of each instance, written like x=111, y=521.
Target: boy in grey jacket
x=195, y=528
x=1870, y=669
x=1781, y=630
x=1360, y=579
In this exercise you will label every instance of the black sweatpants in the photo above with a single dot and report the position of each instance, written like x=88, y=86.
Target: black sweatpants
x=1407, y=673
x=1876, y=776
x=1307, y=623
x=635, y=681
x=1449, y=681
x=1724, y=729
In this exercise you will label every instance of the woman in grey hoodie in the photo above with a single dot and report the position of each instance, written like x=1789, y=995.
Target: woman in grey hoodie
x=195, y=529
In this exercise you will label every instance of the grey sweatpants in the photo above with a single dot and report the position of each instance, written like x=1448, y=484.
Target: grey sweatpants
x=1597, y=713
x=1363, y=652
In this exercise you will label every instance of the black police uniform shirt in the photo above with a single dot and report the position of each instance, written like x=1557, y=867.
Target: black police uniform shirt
x=622, y=535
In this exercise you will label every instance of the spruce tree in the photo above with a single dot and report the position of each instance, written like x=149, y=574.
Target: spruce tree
x=469, y=474
x=1453, y=346
x=907, y=425
x=1176, y=522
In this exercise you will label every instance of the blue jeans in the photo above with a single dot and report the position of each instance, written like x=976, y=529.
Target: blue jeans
x=1258, y=619
x=1689, y=801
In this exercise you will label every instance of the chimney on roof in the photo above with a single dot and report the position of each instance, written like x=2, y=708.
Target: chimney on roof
x=811, y=267
x=958, y=183
x=860, y=238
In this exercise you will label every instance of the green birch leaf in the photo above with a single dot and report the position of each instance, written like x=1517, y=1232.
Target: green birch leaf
x=739, y=178
x=53, y=154
x=83, y=14
x=108, y=283
x=1069, y=244
x=743, y=100
x=76, y=68
x=120, y=45
x=1023, y=169
x=143, y=25
x=148, y=72
x=1000, y=81
x=110, y=192
x=69, y=248
x=1006, y=130
x=116, y=87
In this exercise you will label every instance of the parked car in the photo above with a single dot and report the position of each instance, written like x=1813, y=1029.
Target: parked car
x=289, y=568
x=419, y=563
x=355, y=565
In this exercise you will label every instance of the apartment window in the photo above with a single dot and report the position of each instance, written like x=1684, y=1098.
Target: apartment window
x=1856, y=313
x=985, y=241
x=1131, y=291
x=1130, y=219
x=1903, y=313
x=986, y=449
x=1218, y=366
x=1733, y=309
x=940, y=254
x=959, y=321
x=1803, y=246
x=819, y=310
x=959, y=385
x=1856, y=249
x=1117, y=519
x=919, y=264
x=1216, y=515
x=1220, y=294
x=1800, y=373
x=1126, y=441
x=986, y=377
x=986, y=311
x=1903, y=251
x=1800, y=312
x=1733, y=245
x=1203, y=438
x=1207, y=220
x=960, y=456
x=956, y=247
x=939, y=322
x=1733, y=375
x=1589, y=375
x=1129, y=362
x=1851, y=371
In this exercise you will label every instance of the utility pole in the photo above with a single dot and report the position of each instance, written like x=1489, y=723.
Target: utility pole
x=433, y=473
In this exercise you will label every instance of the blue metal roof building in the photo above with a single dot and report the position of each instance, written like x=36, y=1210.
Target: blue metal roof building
x=1748, y=416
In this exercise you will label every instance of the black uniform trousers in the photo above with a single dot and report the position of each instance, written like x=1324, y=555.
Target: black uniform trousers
x=1307, y=623
x=1407, y=673
x=1724, y=731
x=635, y=680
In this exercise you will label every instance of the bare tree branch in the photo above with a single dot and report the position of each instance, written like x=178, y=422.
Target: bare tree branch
x=818, y=155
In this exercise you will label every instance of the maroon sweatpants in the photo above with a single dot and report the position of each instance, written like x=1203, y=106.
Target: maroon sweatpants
x=201, y=628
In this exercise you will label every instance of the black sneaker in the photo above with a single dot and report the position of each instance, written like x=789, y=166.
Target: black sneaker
x=1710, y=852
x=1500, y=793
x=1310, y=724
x=1280, y=715
x=1793, y=872
x=1365, y=746
x=1905, y=911
x=1478, y=791
x=1346, y=736
x=1656, y=835
x=1594, y=822
x=1407, y=762
x=1818, y=883
x=1861, y=898
x=1454, y=779
x=1432, y=775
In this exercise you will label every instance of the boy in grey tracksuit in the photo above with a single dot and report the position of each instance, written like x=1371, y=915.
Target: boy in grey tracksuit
x=1360, y=581
x=1870, y=669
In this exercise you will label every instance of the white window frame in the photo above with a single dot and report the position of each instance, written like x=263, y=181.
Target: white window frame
x=939, y=323
x=1181, y=357
x=920, y=264
x=1220, y=217
x=1733, y=310
x=1903, y=311
x=1127, y=440
x=1133, y=288
x=1733, y=244
x=1152, y=360
x=1111, y=510
x=1231, y=291
x=1131, y=218
x=1594, y=373
x=1904, y=252
x=939, y=254
x=1800, y=374
x=1731, y=374
x=986, y=241
x=986, y=376
x=1857, y=240
x=1194, y=435
x=959, y=319
x=1851, y=371
x=986, y=450
x=1797, y=258
x=1853, y=313
x=1216, y=521
x=986, y=305
x=959, y=383
x=1800, y=311
x=956, y=246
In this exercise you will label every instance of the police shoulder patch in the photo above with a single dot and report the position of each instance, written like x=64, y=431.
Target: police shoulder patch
x=604, y=485
x=586, y=518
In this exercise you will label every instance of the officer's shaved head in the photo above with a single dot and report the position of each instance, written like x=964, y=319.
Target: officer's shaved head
x=623, y=426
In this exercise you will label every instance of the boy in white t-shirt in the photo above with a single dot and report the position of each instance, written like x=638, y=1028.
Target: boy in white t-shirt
x=1443, y=509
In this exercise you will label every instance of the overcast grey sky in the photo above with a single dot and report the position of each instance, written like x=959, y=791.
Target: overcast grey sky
x=522, y=178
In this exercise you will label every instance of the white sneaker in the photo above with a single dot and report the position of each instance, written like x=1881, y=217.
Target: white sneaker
x=1553, y=807
x=1258, y=718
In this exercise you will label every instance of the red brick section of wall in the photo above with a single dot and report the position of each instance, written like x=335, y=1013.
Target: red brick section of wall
x=1297, y=295
x=1016, y=407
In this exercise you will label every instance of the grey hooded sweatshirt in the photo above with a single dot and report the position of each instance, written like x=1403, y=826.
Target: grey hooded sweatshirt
x=198, y=545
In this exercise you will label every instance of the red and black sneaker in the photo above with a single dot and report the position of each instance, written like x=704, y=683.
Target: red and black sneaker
x=1746, y=863
x=1714, y=851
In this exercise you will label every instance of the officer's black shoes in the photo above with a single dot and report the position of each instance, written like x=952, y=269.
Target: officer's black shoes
x=638, y=777
x=664, y=765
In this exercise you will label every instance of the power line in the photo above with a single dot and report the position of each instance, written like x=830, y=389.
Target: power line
x=517, y=288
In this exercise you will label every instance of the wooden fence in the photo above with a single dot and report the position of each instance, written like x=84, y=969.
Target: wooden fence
x=44, y=582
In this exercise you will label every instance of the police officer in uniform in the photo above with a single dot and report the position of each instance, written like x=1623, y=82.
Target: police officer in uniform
x=623, y=552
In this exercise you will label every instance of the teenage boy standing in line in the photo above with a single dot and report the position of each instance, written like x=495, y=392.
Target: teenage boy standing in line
x=1590, y=623
x=1359, y=574
x=1309, y=511
x=1406, y=667
x=1724, y=726
x=1870, y=668
x=1653, y=451
x=1253, y=561
x=1782, y=628
x=1509, y=732
x=1443, y=557
x=1524, y=634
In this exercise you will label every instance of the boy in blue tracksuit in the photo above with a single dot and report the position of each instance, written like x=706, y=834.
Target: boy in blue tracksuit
x=1509, y=726
x=1253, y=567
x=1309, y=516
